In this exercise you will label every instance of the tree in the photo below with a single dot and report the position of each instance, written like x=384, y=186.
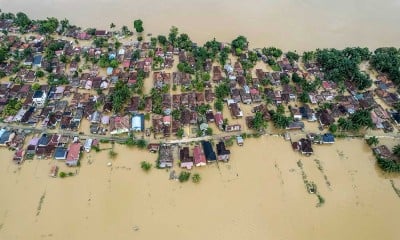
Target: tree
x=333, y=128
x=39, y=74
x=162, y=39
x=3, y=54
x=180, y=133
x=138, y=25
x=48, y=26
x=125, y=31
x=176, y=114
x=146, y=166
x=372, y=141
x=209, y=131
x=292, y=56
x=239, y=44
x=36, y=86
x=184, y=176
x=196, y=178
x=112, y=25
x=141, y=143
x=258, y=122
x=219, y=105
x=22, y=21
x=272, y=52
x=222, y=91
x=396, y=150
x=173, y=34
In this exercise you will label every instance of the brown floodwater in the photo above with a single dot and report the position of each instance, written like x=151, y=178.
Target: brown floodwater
x=259, y=194
x=288, y=24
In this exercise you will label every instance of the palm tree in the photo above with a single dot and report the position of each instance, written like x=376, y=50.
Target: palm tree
x=112, y=25
x=372, y=141
x=396, y=150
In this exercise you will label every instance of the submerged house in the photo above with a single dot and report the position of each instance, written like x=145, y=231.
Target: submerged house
x=73, y=154
x=199, y=158
x=209, y=151
x=138, y=123
x=60, y=153
x=186, y=160
x=222, y=153
x=119, y=125
x=165, y=158
x=305, y=146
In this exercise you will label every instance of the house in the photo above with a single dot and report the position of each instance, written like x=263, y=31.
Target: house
x=296, y=114
x=95, y=117
x=39, y=98
x=328, y=138
x=19, y=156
x=119, y=125
x=233, y=128
x=60, y=153
x=235, y=110
x=165, y=158
x=208, y=151
x=295, y=126
x=6, y=137
x=305, y=146
x=88, y=144
x=153, y=147
x=383, y=151
x=186, y=160
x=239, y=140
x=199, y=158
x=138, y=123
x=219, y=120
x=73, y=154
x=222, y=153
x=325, y=119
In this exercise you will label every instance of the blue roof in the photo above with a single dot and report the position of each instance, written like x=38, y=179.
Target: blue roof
x=111, y=56
x=44, y=140
x=5, y=136
x=37, y=59
x=328, y=137
x=60, y=153
x=38, y=94
x=109, y=70
x=208, y=151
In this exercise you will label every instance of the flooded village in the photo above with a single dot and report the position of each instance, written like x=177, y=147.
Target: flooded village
x=72, y=98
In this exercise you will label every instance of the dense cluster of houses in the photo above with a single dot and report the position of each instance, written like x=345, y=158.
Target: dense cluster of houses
x=84, y=94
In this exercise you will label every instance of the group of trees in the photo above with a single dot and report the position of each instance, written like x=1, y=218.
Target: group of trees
x=239, y=45
x=358, y=120
x=340, y=66
x=12, y=107
x=119, y=96
x=387, y=60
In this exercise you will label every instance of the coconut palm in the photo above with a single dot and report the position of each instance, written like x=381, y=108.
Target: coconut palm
x=396, y=150
x=372, y=141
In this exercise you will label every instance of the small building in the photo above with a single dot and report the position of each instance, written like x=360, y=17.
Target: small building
x=153, y=147
x=186, y=160
x=60, y=153
x=209, y=151
x=239, y=140
x=222, y=153
x=138, y=123
x=39, y=98
x=19, y=156
x=328, y=138
x=165, y=158
x=305, y=146
x=199, y=158
x=73, y=154
x=88, y=144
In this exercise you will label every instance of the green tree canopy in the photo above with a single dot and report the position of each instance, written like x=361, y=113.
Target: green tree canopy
x=138, y=25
